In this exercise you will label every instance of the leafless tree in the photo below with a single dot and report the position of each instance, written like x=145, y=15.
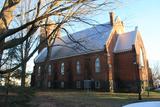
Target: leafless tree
x=156, y=72
x=6, y=18
x=26, y=47
x=61, y=12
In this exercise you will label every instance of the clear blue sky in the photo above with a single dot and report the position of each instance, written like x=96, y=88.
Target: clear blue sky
x=146, y=15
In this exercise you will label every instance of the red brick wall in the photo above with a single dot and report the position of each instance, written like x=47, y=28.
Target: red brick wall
x=143, y=71
x=87, y=72
x=125, y=68
x=110, y=44
x=127, y=64
x=110, y=48
x=70, y=63
x=139, y=45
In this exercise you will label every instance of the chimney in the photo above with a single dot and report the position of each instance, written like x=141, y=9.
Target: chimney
x=111, y=14
x=136, y=28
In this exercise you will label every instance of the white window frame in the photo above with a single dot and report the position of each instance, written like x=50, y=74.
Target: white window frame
x=97, y=84
x=49, y=70
x=97, y=65
x=78, y=84
x=62, y=68
x=78, y=67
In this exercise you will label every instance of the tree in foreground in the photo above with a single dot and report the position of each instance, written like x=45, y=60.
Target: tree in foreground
x=42, y=14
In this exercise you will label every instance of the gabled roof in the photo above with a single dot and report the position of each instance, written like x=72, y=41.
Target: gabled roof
x=125, y=41
x=91, y=40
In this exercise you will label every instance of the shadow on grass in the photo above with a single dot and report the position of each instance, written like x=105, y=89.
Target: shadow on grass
x=71, y=98
x=17, y=97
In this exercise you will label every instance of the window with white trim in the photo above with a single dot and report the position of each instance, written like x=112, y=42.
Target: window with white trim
x=78, y=67
x=97, y=65
x=62, y=69
x=49, y=70
x=39, y=71
x=78, y=84
x=97, y=84
x=141, y=62
x=62, y=84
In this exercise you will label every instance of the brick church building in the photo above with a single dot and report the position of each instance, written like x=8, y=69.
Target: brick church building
x=105, y=58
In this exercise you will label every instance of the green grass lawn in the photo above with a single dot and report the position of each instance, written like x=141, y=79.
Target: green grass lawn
x=89, y=99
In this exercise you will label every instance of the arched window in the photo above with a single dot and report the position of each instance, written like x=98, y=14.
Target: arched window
x=39, y=71
x=49, y=70
x=78, y=67
x=141, y=60
x=97, y=65
x=62, y=68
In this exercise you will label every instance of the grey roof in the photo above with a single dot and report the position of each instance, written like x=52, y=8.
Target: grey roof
x=125, y=41
x=90, y=40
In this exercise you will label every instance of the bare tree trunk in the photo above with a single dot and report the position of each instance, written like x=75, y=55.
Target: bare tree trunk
x=23, y=73
x=64, y=11
x=7, y=90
